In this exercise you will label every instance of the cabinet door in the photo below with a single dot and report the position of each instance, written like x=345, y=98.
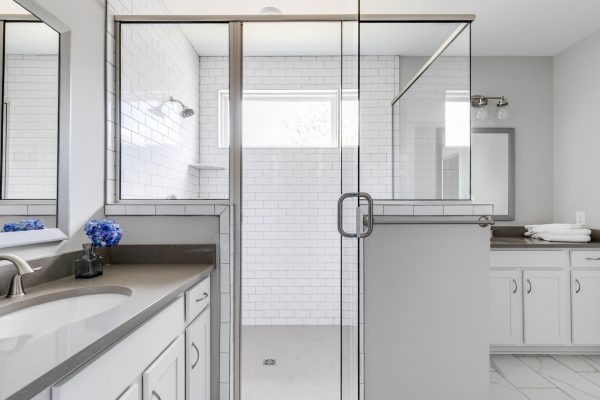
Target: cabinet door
x=197, y=369
x=585, y=288
x=164, y=379
x=546, y=307
x=506, y=307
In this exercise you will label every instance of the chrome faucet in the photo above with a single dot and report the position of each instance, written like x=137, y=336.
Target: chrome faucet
x=16, y=287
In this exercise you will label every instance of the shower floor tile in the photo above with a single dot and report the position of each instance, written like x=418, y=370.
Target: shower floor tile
x=306, y=363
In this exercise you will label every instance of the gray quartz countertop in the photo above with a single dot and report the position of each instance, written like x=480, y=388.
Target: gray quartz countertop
x=31, y=363
x=528, y=243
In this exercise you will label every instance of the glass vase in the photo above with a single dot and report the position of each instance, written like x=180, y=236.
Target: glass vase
x=89, y=264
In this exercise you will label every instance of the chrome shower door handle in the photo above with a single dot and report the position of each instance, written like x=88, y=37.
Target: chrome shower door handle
x=368, y=221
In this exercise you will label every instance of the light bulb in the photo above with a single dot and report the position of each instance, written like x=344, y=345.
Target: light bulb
x=482, y=114
x=503, y=114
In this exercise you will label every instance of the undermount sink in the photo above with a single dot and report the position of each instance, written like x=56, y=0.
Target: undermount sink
x=45, y=313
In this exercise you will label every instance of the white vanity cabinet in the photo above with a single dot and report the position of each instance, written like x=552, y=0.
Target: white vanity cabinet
x=153, y=361
x=556, y=303
x=585, y=295
x=506, y=307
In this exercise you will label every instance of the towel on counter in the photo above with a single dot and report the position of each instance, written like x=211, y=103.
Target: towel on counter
x=557, y=231
x=549, y=237
x=554, y=228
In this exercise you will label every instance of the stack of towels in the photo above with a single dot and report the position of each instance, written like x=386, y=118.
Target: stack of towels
x=559, y=232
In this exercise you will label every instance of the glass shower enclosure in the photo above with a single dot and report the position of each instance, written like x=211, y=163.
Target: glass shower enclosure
x=298, y=123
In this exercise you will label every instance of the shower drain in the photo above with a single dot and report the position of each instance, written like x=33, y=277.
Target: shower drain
x=269, y=362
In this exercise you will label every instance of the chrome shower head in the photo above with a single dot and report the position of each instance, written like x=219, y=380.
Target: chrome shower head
x=186, y=111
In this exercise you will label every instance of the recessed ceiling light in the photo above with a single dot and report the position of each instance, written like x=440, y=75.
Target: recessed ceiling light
x=270, y=11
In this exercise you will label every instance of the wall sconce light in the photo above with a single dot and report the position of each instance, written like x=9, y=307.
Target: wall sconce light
x=479, y=103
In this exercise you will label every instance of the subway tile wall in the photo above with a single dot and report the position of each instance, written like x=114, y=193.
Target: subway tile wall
x=157, y=144
x=31, y=97
x=291, y=246
x=379, y=83
x=214, y=77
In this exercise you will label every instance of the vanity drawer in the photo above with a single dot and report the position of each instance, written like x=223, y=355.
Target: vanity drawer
x=585, y=259
x=529, y=259
x=196, y=299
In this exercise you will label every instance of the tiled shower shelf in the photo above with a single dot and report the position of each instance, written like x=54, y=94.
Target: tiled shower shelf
x=207, y=167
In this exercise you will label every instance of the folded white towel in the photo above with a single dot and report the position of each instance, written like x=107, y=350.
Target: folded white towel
x=559, y=232
x=554, y=226
x=565, y=238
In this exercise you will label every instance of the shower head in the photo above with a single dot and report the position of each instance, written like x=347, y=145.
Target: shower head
x=186, y=111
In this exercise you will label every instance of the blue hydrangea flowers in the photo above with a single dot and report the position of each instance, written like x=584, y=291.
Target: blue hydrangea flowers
x=24, y=225
x=103, y=233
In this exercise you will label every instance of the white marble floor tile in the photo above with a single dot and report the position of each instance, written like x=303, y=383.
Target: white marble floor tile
x=592, y=377
x=594, y=360
x=569, y=381
x=519, y=374
x=546, y=394
x=501, y=389
x=576, y=363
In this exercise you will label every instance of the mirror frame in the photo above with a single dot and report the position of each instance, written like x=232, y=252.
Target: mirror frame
x=62, y=230
x=510, y=132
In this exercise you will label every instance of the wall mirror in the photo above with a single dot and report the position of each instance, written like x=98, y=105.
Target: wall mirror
x=30, y=130
x=493, y=170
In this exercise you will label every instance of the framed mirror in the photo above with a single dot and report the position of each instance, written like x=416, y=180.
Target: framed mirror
x=31, y=131
x=493, y=170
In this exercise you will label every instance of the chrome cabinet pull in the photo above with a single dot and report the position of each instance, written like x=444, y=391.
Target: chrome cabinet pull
x=529, y=283
x=368, y=221
x=578, y=286
x=197, y=355
x=515, y=283
x=155, y=394
x=205, y=295
x=592, y=258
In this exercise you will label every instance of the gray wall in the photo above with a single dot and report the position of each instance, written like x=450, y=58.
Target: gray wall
x=577, y=131
x=527, y=83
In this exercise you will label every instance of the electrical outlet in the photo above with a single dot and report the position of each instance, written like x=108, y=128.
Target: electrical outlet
x=580, y=217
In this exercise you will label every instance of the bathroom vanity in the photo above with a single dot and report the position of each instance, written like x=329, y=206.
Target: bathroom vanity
x=544, y=296
x=154, y=343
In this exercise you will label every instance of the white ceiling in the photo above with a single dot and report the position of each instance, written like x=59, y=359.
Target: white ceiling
x=323, y=38
x=502, y=27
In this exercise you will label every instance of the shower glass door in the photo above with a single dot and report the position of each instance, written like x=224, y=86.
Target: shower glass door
x=299, y=311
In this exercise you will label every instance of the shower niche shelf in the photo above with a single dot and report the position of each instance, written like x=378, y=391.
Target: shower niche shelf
x=206, y=167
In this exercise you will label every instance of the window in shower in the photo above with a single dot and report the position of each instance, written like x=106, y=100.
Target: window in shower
x=292, y=118
x=169, y=80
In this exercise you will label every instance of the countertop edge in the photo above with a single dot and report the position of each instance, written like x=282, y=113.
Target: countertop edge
x=95, y=349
